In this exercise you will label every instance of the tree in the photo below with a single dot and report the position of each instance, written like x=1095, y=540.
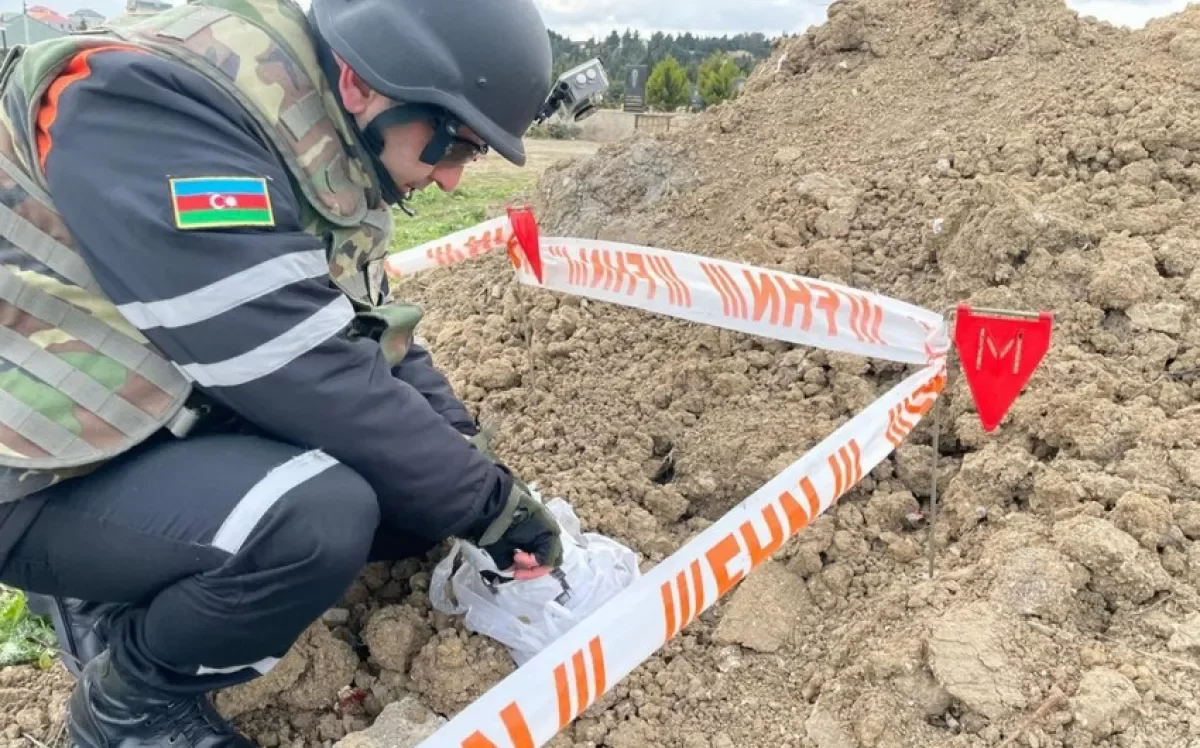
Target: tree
x=716, y=78
x=667, y=87
x=619, y=51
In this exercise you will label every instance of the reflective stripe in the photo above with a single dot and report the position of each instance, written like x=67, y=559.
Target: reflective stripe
x=263, y=666
x=227, y=293
x=276, y=353
x=264, y=495
x=232, y=534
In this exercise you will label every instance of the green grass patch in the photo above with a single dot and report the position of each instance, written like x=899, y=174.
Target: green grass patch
x=481, y=196
x=24, y=637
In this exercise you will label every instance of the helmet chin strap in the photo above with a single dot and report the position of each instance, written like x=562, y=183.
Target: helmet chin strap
x=370, y=140
x=372, y=137
x=400, y=114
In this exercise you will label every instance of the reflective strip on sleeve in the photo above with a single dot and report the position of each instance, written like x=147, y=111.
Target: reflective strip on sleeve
x=277, y=352
x=221, y=296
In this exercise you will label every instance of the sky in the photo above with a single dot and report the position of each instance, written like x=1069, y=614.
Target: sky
x=580, y=19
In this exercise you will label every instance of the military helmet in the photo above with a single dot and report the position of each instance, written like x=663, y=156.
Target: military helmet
x=486, y=62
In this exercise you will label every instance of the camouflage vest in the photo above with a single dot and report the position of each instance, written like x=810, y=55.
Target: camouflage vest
x=80, y=385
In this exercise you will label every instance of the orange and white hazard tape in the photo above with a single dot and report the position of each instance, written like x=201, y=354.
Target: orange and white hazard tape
x=452, y=248
x=539, y=699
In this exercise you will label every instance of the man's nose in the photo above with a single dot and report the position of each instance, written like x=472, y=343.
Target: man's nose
x=447, y=177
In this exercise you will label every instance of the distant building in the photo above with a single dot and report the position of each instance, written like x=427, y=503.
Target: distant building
x=50, y=17
x=135, y=9
x=85, y=18
x=145, y=7
x=24, y=28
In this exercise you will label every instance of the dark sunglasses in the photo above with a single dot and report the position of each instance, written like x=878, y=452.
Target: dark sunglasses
x=445, y=147
x=448, y=148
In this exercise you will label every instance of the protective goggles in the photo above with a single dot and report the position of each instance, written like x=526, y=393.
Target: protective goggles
x=448, y=148
x=445, y=148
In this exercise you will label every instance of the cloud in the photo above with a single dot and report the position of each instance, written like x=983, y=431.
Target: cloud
x=580, y=19
x=583, y=18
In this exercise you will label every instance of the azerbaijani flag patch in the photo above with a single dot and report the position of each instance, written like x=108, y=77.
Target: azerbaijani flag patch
x=220, y=202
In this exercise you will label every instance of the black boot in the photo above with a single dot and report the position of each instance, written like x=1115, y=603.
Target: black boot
x=82, y=626
x=107, y=710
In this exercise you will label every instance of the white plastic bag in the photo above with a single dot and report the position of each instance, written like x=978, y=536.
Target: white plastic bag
x=528, y=615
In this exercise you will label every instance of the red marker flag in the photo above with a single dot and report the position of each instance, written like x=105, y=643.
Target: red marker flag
x=525, y=229
x=999, y=351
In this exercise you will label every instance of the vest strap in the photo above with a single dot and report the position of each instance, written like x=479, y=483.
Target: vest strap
x=86, y=392
x=104, y=339
x=304, y=115
x=45, y=249
x=42, y=431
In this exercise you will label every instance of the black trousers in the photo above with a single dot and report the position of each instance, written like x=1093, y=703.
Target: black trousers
x=225, y=546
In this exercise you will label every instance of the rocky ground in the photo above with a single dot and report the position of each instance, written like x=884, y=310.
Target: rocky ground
x=1002, y=152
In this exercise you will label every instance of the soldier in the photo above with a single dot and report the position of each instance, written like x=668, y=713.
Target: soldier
x=210, y=416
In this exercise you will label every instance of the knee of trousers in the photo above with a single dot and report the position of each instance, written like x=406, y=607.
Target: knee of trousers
x=319, y=534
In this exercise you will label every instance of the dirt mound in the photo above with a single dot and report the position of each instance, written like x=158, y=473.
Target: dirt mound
x=1002, y=152
x=32, y=703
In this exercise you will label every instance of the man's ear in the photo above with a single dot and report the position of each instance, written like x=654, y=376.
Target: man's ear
x=356, y=94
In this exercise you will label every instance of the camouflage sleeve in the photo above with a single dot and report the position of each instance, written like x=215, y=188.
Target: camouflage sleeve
x=249, y=313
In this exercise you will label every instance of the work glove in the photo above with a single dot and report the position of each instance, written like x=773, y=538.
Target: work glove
x=524, y=524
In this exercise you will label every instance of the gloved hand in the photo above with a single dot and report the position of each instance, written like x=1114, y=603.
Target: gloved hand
x=524, y=524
